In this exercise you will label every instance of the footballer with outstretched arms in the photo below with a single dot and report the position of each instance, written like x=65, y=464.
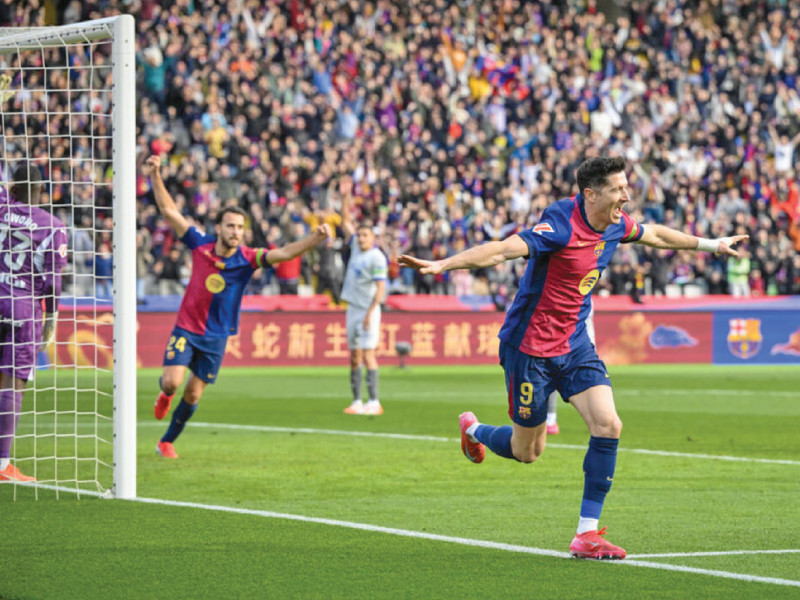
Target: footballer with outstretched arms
x=34, y=252
x=209, y=313
x=544, y=344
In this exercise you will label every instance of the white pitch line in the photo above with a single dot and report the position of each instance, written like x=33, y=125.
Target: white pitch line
x=726, y=553
x=431, y=438
x=617, y=391
x=711, y=572
x=447, y=538
x=699, y=392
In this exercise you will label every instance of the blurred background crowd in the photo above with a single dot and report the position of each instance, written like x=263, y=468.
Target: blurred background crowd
x=454, y=122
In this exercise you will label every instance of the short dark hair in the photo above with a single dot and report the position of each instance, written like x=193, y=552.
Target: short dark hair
x=26, y=173
x=365, y=224
x=593, y=173
x=230, y=209
x=27, y=181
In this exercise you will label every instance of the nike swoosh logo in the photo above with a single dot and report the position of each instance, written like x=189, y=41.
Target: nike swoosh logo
x=582, y=243
x=609, y=479
x=469, y=456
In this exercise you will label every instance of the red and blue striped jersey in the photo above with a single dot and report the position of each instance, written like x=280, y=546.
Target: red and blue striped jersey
x=211, y=304
x=566, y=258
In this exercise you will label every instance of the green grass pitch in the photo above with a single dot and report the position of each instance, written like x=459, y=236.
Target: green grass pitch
x=708, y=474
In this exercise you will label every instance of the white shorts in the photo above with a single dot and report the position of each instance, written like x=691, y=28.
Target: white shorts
x=359, y=338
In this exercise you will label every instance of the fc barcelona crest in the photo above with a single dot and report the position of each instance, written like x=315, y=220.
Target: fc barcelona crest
x=744, y=337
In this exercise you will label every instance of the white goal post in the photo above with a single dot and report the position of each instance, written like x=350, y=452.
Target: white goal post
x=21, y=47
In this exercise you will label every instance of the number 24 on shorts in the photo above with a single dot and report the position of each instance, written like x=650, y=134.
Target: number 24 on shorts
x=178, y=344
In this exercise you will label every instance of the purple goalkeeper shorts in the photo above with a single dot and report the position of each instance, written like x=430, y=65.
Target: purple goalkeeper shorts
x=20, y=332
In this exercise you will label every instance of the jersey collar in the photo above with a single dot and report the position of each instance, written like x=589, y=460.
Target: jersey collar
x=580, y=201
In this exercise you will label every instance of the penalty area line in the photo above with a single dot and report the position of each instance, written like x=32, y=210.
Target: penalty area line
x=432, y=438
x=464, y=541
x=633, y=562
x=721, y=553
x=453, y=539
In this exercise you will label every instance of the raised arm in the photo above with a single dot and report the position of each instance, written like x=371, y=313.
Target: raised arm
x=773, y=134
x=289, y=251
x=485, y=255
x=166, y=205
x=660, y=236
x=346, y=191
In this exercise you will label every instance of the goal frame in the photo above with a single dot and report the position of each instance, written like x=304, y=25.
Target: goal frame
x=123, y=103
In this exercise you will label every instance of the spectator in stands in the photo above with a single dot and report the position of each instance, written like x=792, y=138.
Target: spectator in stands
x=82, y=256
x=739, y=273
x=482, y=112
x=102, y=266
x=169, y=273
x=144, y=264
x=327, y=270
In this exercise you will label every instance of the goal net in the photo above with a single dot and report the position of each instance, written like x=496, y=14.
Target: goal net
x=67, y=118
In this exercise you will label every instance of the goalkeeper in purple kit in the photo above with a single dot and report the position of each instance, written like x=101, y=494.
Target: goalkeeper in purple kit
x=209, y=312
x=544, y=343
x=34, y=252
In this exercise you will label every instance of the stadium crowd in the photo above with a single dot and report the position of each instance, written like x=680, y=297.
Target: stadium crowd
x=454, y=122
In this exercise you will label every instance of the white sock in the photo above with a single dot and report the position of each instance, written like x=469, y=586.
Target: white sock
x=374, y=401
x=585, y=524
x=4, y=463
x=551, y=418
x=357, y=402
x=471, y=431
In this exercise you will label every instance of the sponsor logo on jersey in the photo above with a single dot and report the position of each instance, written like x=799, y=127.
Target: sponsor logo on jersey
x=668, y=336
x=744, y=337
x=215, y=283
x=598, y=250
x=791, y=347
x=588, y=282
x=543, y=228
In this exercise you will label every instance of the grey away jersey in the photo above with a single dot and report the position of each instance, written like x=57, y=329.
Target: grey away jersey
x=363, y=270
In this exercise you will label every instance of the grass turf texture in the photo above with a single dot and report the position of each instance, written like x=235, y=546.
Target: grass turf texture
x=95, y=548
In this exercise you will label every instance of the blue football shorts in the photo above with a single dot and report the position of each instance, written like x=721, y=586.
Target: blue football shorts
x=530, y=379
x=202, y=355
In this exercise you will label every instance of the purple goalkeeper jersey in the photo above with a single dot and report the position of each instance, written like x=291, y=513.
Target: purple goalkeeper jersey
x=33, y=244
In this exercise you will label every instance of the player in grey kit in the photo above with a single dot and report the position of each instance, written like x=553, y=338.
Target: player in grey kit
x=363, y=290
x=33, y=246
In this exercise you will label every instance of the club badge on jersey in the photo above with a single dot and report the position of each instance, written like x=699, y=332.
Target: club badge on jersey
x=598, y=250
